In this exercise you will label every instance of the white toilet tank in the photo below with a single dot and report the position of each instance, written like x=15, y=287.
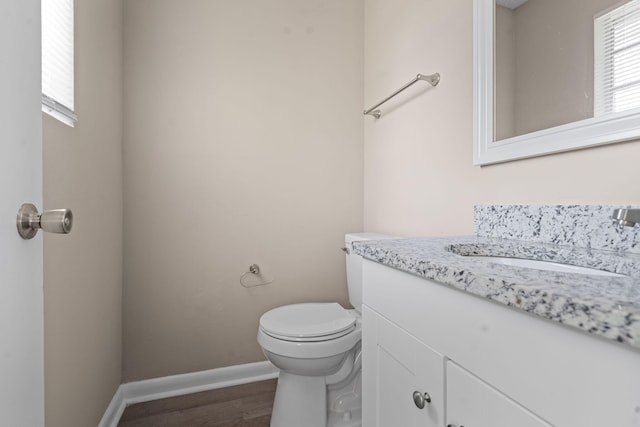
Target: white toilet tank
x=354, y=265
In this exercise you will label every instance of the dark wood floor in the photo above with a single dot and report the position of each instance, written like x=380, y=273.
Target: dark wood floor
x=247, y=405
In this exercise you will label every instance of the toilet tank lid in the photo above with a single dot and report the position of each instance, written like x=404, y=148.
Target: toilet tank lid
x=354, y=237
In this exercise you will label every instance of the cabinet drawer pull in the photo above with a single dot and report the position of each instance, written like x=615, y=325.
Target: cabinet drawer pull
x=420, y=399
x=452, y=425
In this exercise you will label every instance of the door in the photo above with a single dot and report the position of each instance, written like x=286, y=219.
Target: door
x=474, y=403
x=21, y=293
x=403, y=379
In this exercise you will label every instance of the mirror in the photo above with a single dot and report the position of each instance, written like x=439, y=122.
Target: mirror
x=553, y=89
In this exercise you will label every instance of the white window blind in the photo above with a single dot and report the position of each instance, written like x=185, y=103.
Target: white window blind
x=617, y=59
x=57, y=60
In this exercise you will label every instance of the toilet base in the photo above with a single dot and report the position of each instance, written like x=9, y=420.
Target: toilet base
x=300, y=401
x=351, y=418
x=345, y=402
x=293, y=408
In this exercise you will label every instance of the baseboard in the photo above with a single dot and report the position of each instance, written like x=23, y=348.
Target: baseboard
x=114, y=411
x=178, y=385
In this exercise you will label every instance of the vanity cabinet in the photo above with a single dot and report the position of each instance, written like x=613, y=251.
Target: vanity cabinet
x=398, y=366
x=484, y=364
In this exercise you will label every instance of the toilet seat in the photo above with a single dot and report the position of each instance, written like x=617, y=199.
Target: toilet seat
x=310, y=322
x=310, y=339
x=310, y=349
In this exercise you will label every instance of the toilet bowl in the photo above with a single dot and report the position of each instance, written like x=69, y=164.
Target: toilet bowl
x=310, y=361
x=317, y=347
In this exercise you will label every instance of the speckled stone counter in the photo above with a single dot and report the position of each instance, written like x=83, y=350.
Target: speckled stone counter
x=605, y=306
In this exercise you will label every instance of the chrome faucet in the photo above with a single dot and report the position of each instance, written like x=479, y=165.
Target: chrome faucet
x=626, y=217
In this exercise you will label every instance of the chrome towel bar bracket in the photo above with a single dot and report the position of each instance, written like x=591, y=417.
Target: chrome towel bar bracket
x=432, y=79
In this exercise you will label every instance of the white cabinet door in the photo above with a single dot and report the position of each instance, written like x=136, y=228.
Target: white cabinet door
x=395, y=365
x=474, y=403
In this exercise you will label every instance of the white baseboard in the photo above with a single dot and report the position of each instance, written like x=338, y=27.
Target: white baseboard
x=178, y=385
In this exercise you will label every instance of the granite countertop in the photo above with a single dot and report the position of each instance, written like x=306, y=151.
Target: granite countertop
x=605, y=306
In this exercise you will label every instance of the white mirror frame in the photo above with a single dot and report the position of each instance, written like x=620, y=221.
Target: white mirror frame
x=590, y=132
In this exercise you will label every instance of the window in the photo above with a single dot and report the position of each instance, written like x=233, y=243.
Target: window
x=57, y=60
x=617, y=59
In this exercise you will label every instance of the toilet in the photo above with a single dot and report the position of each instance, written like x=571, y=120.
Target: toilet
x=317, y=348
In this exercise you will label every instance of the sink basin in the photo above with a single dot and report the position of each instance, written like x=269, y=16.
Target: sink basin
x=548, y=266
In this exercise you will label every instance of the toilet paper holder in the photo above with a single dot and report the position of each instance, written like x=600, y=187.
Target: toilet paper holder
x=254, y=269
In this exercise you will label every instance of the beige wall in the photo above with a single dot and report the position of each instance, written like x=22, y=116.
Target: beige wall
x=419, y=180
x=243, y=144
x=83, y=270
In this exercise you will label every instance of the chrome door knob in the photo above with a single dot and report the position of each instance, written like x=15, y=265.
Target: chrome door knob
x=29, y=221
x=421, y=399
